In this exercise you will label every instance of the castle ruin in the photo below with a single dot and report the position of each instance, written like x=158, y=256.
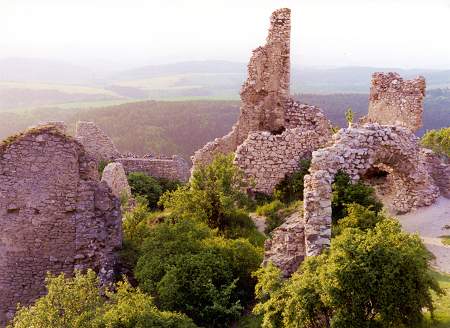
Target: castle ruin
x=55, y=215
x=273, y=132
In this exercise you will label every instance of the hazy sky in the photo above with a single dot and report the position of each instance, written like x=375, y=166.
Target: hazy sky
x=394, y=33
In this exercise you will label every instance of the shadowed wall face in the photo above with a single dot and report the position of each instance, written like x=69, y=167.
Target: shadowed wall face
x=55, y=216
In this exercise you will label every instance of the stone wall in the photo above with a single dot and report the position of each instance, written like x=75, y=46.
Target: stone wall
x=396, y=101
x=96, y=142
x=115, y=177
x=355, y=151
x=273, y=132
x=286, y=248
x=265, y=92
x=174, y=168
x=54, y=215
x=439, y=170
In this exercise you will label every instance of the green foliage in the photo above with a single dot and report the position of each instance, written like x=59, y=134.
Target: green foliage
x=291, y=187
x=76, y=303
x=359, y=217
x=190, y=269
x=445, y=240
x=271, y=212
x=101, y=166
x=345, y=193
x=146, y=186
x=150, y=188
x=349, y=115
x=438, y=141
x=374, y=278
x=215, y=194
x=68, y=303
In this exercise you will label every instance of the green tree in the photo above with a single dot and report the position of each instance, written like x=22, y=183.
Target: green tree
x=145, y=186
x=374, y=278
x=192, y=270
x=214, y=195
x=345, y=193
x=438, y=141
x=76, y=303
x=349, y=116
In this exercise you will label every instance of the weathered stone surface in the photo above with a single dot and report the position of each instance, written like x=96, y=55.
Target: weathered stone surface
x=271, y=125
x=286, y=248
x=54, y=215
x=172, y=168
x=115, y=177
x=355, y=151
x=96, y=142
x=396, y=101
x=267, y=158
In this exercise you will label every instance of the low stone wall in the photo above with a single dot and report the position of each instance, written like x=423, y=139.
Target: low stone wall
x=175, y=168
x=55, y=215
x=439, y=170
x=286, y=249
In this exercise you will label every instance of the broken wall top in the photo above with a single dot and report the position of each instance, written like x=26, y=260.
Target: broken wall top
x=395, y=101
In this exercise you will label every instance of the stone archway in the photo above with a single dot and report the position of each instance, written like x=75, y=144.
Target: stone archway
x=355, y=151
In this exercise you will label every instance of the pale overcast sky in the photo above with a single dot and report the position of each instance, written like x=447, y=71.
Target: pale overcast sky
x=388, y=33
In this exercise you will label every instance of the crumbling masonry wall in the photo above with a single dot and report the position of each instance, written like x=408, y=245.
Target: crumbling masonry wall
x=394, y=100
x=268, y=137
x=54, y=215
x=96, y=142
x=174, y=168
x=355, y=151
x=115, y=177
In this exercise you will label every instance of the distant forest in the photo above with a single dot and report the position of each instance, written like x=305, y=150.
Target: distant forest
x=181, y=127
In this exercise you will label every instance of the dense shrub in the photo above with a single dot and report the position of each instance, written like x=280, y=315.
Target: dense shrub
x=345, y=193
x=214, y=195
x=438, y=141
x=359, y=217
x=374, y=278
x=190, y=269
x=291, y=187
x=76, y=303
x=150, y=188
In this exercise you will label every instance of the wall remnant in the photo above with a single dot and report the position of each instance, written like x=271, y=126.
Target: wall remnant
x=268, y=114
x=172, y=168
x=355, y=151
x=115, y=177
x=286, y=249
x=96, y=142
x=394, y=100
x=54, y=215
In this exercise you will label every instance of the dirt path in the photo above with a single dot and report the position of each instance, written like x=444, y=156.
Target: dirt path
x=428, y=222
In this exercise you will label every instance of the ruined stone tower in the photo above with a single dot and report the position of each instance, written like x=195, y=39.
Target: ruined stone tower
x=273, y=132
x=395, y=101
x=55, y=215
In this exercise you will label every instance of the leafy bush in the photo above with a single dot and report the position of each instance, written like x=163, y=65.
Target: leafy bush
x=150, y=188
x=76, y=303
x=438, y=141
x=214, y=195
x=291, y=187
x=190, y=269
x=374, y=278
x=345, y=193
x=358, y=217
